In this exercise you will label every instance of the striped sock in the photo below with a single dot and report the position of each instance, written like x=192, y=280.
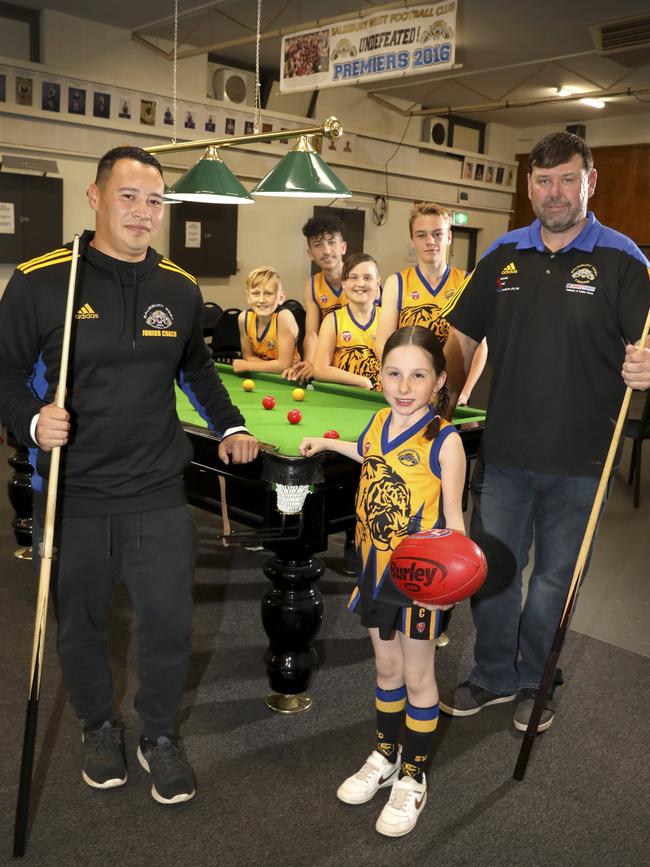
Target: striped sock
x=390, y=704
x=421, y=723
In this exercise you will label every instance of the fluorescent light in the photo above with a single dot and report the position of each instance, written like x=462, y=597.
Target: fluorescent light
x=594, y=103
x=564, y=91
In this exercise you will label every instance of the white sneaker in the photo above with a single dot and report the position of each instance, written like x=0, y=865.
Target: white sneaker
x=376, y=773
x=406, y=802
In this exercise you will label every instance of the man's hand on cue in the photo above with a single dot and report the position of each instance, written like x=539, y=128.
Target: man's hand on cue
x=241, y=448
x=52, y=427
x=636, y=368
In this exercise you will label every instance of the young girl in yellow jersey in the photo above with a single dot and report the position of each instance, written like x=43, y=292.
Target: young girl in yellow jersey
x=412, y=462
x=346, y=342
x=268, y=336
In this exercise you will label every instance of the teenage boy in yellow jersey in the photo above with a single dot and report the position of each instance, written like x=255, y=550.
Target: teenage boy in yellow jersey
x=268, y=336
x=416, y=295
x=323, y=291
x=346, y=343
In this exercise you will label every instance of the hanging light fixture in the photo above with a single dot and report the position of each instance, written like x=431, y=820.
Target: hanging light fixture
x=168, y=197
x=302, y=173
x=210, y=180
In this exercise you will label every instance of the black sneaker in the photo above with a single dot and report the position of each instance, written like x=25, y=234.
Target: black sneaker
x=524, y=709
x=173, y=778
x=104, y=765
x=468, y=699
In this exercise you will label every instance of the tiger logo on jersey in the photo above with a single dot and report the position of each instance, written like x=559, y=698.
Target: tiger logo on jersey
x=428, y=316
x=383, y=505
x=361, y=360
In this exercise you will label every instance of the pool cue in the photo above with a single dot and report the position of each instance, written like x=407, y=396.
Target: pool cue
x=551, y=662
x=31, y=718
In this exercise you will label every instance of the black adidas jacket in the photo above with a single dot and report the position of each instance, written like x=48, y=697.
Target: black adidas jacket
x=137, y=328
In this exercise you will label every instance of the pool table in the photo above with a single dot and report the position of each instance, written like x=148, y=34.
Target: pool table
x=292, y=607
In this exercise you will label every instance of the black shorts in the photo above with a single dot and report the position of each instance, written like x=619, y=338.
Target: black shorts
x=411, y=620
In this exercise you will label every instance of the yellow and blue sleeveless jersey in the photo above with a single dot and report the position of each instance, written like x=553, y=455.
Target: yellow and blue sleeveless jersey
x=399, y=494
x=420, y=303
x=326, y=296
x=264, y=345
x=355, y=344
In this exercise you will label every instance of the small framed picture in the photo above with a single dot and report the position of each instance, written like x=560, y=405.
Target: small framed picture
x=230, y=126
x=210, y=125
x=509, y=177
x=479, y=171
x=489, y=174
x=76, y=100
x=51, y=96
x=468, y=170
x=148, y=112
x=499, y=175
x=168, y=116
x=24, y=90
x=267, y=127
x=190, y=120
x=284, y=141
x=3, y=87
x=101, y=104
x=249, y=127
x=125, y=108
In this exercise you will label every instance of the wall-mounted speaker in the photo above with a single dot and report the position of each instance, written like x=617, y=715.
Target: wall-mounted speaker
x=234, y=86
x=434, y=131
x=578, y=129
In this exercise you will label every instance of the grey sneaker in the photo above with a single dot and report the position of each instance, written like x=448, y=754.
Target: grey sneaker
x=104, y=765
x=173, y=778
x=468, y=699
x=524, y=709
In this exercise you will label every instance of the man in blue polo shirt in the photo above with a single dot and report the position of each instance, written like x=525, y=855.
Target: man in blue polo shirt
x=561, y=302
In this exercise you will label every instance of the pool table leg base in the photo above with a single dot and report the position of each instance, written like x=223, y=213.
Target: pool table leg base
x=287, y=704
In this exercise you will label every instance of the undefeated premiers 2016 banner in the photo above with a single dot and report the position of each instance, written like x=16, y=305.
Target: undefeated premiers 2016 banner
x=395, y=43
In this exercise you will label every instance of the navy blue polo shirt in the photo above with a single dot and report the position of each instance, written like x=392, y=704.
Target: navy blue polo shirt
x=556, y=325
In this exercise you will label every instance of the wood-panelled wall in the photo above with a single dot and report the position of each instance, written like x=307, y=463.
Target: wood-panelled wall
x=622, y=197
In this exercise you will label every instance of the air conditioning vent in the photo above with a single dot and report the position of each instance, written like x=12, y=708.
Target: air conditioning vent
x=234, y=86
x=626, y=41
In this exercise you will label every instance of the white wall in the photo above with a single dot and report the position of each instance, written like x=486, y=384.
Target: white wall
x=599, y=132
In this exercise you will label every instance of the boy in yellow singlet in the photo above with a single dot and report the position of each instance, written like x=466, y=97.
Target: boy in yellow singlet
x=268, y=336
x=346, y=343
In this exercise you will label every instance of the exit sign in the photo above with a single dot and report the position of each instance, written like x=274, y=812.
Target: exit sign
x=460, y=218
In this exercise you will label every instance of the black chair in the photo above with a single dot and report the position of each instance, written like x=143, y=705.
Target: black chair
x=638, y=429
x=225, y=336
x=211, y=314
x=299, y=315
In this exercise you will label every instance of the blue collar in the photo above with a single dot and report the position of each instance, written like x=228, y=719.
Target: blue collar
x=531, y=237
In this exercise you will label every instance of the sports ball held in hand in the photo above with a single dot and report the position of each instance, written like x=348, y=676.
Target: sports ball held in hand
x=268, y=402
x=438, y=566
x=248, y=385
x=294, y=416
x=331, y=435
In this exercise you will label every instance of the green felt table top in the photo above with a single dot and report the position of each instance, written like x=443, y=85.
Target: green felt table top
x=326, y=406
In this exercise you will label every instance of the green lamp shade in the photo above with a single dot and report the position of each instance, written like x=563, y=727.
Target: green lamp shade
x=168, y=197
x=210, y=180
x=302, y=174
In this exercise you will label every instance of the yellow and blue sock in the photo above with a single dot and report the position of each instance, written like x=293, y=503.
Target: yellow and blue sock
x=390, y=704
x=421, y=723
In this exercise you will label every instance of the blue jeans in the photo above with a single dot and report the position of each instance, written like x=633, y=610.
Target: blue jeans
x=513, y=508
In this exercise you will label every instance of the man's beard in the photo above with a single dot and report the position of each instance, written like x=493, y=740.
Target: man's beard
x=559, y=222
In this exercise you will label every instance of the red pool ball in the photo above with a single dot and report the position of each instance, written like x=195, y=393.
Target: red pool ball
x=294, y=416
x=268, y=402
x=331, y=435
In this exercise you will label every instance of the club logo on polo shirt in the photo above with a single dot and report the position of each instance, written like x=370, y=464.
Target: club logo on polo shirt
x=271, y=344
x=86, y=312
x=347, y=336
x=415, y=295
x=159, y=319
x=323, y=299
x=584, y=276
x=408, y=457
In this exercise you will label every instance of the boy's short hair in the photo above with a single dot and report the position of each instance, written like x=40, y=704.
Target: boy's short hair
x=316, y=227
x=260, y=276
x=355, y=259
x=558, y=148
x=106, y=163
x=426, y=209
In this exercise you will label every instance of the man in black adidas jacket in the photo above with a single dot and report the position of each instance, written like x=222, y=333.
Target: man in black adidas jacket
x=121, y=510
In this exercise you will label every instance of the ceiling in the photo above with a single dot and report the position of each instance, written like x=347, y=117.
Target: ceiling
x=507, y=51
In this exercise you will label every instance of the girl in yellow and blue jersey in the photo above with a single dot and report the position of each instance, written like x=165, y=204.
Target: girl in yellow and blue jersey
x=346, y=342
x=268, y=336
x=413, y=462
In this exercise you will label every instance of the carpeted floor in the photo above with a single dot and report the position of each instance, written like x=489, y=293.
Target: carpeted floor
x=267, y=782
